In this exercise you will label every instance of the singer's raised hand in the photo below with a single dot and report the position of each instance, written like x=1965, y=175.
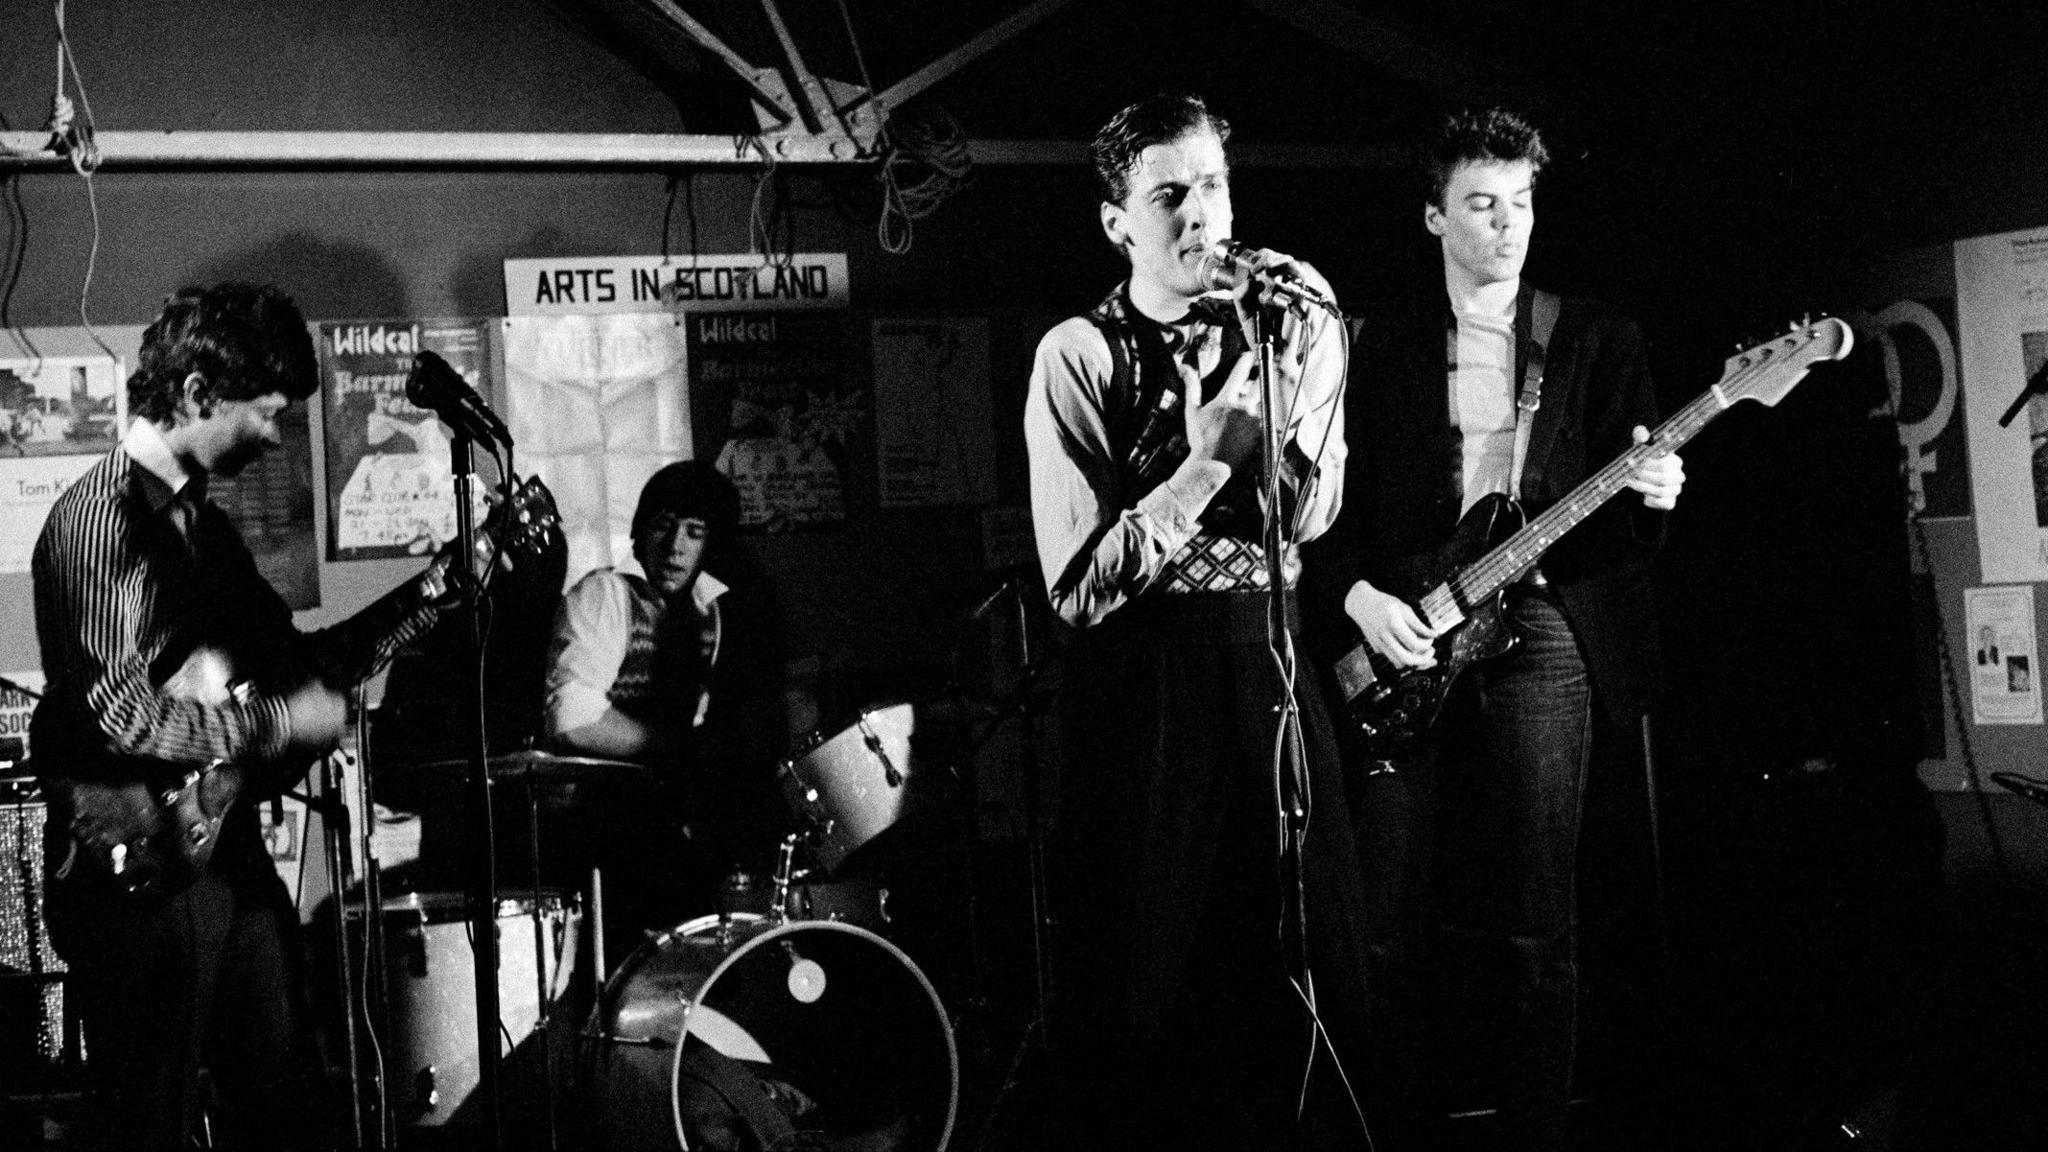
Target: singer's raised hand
x=1227, y=427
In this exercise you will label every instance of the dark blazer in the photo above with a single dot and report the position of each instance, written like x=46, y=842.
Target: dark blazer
x=1402, y=486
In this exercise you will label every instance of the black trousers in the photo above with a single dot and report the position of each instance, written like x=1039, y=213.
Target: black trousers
x=1176, y=1021
x=1470, y=850
x=211, y=977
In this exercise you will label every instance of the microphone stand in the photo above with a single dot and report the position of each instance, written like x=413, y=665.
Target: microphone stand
x=483, y=883
x=331, y=806
x=373, y=963
x=1290, y=769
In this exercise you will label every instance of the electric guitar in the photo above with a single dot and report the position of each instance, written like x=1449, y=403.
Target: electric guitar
x=1492, y=547
x=155, y=832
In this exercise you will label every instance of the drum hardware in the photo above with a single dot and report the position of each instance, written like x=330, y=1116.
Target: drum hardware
x=785, y=862
x=433, y=1063
x=874, y=743
x=430, y=1056
x=853, y=784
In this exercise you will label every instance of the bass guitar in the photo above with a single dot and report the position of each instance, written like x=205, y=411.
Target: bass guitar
x=1493, y=546
x=155, y=831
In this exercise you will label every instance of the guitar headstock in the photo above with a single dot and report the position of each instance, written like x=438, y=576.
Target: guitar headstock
x=526, y=524
x=1766, y=372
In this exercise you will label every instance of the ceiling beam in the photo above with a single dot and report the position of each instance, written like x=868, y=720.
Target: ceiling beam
x=240, y=151
x=994, y=37
x=760, y=83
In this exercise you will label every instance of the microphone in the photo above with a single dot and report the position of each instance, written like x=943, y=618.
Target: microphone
x=2036, y=385
x=437, y=387
x=1230, y=263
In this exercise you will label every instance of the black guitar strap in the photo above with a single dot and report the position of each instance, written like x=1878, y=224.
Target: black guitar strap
x=1542, y=321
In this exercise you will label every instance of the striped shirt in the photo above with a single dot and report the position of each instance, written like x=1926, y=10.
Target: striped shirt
x=134, y=570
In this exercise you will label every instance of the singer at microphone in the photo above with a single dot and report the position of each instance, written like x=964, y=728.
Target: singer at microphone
x=1147, y=426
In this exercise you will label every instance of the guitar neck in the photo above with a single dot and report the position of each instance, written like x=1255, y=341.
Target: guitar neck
x=1514, y=556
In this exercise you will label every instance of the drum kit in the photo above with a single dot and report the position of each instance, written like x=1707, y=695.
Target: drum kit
x=792, y=993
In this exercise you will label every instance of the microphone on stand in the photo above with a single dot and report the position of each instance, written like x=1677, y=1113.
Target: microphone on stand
x=1230, y=263
x=437, y=387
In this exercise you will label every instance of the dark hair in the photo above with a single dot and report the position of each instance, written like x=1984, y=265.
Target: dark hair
x=690, y=488
x=1157, y=119
x=1468, y=135
x=246, y=341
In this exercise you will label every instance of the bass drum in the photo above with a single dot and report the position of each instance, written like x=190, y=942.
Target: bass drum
x=828, y=1009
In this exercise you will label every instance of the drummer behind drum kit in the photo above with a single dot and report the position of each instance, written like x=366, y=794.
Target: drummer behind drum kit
x=785, y=1014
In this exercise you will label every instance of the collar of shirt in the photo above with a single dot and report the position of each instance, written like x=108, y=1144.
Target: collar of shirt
x=145, y=444
x=704, y=590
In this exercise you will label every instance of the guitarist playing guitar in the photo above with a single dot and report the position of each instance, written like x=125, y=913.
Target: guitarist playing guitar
x=1487, y=387
x=173, y=665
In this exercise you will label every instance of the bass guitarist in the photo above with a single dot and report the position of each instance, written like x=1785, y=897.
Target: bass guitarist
x=134, y=570
x=1468, y=835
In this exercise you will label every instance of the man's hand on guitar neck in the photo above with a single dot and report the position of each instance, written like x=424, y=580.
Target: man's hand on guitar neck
x=441, y=583
x=1659, y=478
x=1391, y=626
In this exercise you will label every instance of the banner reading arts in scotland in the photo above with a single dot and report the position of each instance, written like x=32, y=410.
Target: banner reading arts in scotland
x=390, y=492
x=582, y=285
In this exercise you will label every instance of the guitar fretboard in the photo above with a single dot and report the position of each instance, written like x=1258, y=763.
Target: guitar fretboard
x=1446, y=603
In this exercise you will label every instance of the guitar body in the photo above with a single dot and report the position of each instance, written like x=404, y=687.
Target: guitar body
x=1399, y=704
x=153, y=838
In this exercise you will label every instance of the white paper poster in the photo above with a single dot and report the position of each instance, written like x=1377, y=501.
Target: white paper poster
x=2004, y=666
x=596, y=404
x=2002, y=329
x=58, y=415
x=934, y=428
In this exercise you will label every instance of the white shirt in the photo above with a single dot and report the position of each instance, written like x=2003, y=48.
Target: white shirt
x=592, y=630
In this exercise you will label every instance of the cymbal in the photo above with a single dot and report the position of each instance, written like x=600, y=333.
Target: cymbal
x=538, y=764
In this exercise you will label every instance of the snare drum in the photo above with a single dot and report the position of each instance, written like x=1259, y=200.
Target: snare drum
x=832, y=1009
x=430, y=1058
x=851, y=785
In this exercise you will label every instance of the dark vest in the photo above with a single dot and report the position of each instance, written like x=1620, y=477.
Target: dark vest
x=1148, y=430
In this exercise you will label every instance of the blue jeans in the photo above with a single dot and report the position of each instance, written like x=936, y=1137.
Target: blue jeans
x=1469, y=853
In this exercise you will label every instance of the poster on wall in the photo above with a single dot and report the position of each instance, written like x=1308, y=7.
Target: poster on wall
x=390, y=492
x=934, y=427
x=2004, y=663
x=271, y=505
x=18, y=692
x=774, y=408
x=58, y=414
x=583, y=285
x=596, y=404
x=2002, y=333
